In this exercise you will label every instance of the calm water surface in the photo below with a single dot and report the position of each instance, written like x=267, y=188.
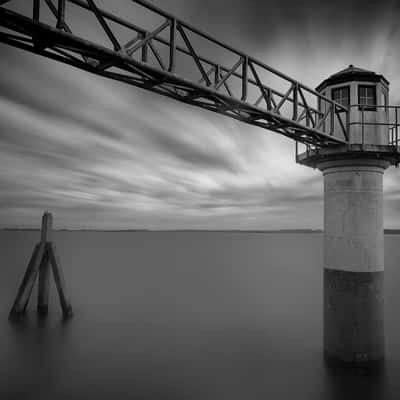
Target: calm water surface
x=198, y=315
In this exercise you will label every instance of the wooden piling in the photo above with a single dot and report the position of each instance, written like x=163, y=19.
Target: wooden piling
x=20, y=300
x=44, y=283
x=44, y=269
x=43, y=255
x=59, y=279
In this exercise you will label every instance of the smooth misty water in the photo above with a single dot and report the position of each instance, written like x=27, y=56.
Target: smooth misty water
x=184, y=316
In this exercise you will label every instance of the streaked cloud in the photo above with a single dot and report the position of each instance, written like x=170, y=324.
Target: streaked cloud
x=101, y=154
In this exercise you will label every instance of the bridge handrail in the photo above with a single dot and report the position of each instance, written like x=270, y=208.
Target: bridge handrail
x=193, y=29
x=393, y=126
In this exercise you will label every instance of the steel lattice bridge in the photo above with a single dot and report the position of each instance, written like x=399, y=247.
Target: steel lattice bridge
x=168, y=59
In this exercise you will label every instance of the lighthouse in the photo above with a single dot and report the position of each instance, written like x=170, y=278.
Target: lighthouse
x=353, y=264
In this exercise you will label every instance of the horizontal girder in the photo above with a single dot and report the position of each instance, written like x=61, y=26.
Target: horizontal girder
x=154, y=60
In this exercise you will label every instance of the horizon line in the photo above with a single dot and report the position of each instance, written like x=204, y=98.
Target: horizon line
x=284, y=230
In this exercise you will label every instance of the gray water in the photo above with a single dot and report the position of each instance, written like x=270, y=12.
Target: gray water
x=184, y=315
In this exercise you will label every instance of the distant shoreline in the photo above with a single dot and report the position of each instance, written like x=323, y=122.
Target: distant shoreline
x=386, y=231
x=176, y=230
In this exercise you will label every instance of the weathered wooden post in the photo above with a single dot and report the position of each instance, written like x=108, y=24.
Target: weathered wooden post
x=44, y=268
x=43, y=255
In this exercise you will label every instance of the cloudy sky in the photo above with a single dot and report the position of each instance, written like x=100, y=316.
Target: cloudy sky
x=102, y=154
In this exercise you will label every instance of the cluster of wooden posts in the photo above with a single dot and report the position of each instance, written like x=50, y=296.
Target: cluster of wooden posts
x=44, y=255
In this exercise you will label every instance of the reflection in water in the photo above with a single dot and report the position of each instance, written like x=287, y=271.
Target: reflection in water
x=183, y=316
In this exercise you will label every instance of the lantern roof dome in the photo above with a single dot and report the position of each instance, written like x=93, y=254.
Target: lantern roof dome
x=351, y=73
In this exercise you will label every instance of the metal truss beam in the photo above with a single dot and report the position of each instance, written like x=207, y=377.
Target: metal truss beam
x=152, y=60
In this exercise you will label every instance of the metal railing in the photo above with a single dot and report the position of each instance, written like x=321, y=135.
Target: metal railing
x=388, y=125
x=392, y=122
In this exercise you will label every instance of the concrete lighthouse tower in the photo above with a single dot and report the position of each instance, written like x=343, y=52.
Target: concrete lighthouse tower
x=353, y=217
